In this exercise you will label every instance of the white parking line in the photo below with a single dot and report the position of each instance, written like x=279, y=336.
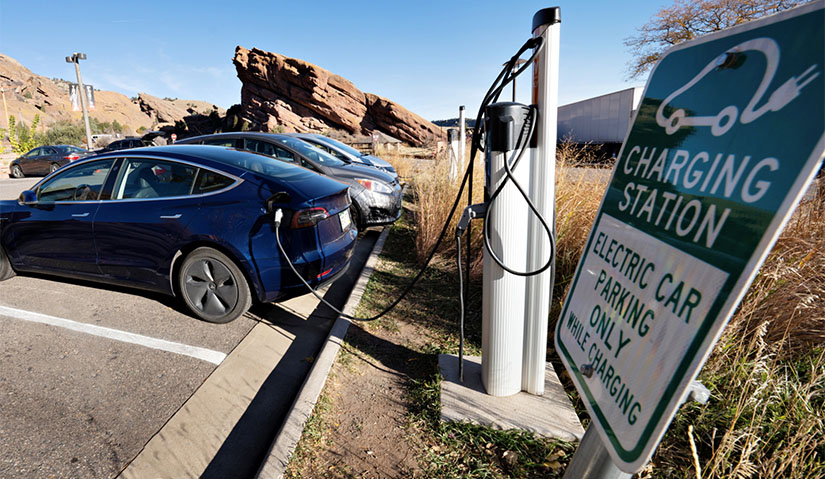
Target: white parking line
x=214, y=357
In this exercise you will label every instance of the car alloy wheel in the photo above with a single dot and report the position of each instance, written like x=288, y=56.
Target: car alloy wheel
x=213, y=287
x=17, y=172
x=53, y=167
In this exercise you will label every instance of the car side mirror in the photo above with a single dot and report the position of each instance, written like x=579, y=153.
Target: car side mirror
x=28, y=197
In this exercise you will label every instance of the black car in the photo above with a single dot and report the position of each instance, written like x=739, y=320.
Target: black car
x=45, y=159
x=376, y=195
x=123, y=144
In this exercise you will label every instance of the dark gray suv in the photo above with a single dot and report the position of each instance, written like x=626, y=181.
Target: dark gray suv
x=345, y=152
x=376, y=195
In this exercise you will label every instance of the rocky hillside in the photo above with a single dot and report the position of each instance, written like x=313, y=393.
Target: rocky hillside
x=28, y=94
x=288, y=93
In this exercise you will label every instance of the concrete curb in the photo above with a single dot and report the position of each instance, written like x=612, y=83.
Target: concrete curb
x=274, y=465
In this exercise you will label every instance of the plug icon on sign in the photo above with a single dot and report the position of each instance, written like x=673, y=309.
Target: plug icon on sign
x=723, y=121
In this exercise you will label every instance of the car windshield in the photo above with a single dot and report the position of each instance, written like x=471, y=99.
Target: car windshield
x=311, y=153
x=342, y=146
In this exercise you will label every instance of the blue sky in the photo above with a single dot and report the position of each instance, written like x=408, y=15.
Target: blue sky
x=429, y=56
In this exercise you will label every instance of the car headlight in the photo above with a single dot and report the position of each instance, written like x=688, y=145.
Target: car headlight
x=375, y=186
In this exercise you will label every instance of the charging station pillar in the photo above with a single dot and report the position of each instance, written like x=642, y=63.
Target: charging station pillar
x=502, y=317
x=546, y=24
x=452, y=146
x=462, y=138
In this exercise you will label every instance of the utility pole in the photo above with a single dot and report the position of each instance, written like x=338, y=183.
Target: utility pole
x=75, y=58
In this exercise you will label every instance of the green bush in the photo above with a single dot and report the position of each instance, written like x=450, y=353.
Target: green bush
x=23, y=139
x=66, y=132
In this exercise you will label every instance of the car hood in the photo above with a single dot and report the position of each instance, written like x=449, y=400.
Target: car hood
x=352, y=171
x=376, y=160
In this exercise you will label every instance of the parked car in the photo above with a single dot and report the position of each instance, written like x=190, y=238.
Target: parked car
x=124, y=144
x=345, y=152
x=45, y=159
x=376, y=196
x=191, y=221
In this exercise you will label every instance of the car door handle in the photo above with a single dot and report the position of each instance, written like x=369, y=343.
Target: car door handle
x=80, y=215
x=171, y=217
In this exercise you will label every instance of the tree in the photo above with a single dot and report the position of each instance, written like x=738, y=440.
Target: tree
x=23, y=139
x=686, y=20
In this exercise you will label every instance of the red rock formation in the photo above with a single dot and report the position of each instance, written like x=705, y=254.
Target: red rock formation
x=285, y=92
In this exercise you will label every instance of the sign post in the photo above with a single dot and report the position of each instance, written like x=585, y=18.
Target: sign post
x=727, y=138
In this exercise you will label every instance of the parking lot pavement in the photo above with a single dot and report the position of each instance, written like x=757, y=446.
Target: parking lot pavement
x=10, y=188
x=92, y=375
x=78, y=404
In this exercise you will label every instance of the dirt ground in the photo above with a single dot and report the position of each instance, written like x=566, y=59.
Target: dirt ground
x=365, y=433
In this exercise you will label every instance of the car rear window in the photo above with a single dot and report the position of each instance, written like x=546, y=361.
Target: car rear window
x=310, y=152
x=209, y=181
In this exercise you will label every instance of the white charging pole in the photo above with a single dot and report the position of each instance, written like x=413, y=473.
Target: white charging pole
x=546, y=24
x=502, y=304
x=453, y=145
x=462, y=138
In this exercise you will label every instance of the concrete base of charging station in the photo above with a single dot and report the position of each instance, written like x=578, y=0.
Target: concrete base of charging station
x=549, y=415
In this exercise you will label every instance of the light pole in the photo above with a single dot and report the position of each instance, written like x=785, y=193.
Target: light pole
x=75, y=58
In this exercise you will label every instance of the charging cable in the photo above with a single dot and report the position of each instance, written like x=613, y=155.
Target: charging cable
x=506, y=75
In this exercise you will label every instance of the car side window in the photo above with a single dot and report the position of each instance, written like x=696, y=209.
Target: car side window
x=49, y=151
x=150, y=178
x=33, y=153
x=308, y=165
x=80, y=183
x=209, y=181
x=227, y=142
x=335, y=153
x=259, y=147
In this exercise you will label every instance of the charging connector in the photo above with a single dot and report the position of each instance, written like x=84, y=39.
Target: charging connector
x=471, y=212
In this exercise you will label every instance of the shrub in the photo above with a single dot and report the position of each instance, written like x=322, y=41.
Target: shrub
x=23, y=139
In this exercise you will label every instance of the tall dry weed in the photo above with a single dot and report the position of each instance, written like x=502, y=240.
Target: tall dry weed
x=767, y=374
x=434, y=197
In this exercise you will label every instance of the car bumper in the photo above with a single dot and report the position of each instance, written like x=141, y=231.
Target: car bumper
x=381, y=209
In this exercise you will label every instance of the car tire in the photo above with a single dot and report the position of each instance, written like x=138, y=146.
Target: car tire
x=212, y=286
x=53, y=167
x=17, y=172
x=6, y=271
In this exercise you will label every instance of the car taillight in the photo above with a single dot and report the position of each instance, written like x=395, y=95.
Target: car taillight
x=71, y=157
x=309, y=217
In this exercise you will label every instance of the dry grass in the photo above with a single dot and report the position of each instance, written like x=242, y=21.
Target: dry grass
x=767, y=373
x=434, y=196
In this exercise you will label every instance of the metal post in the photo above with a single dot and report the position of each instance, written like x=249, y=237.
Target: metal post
x=452, y=145
x=546, y=24
x=502, y=318
x=462, y=138
x=75, y=58
x=592, y=461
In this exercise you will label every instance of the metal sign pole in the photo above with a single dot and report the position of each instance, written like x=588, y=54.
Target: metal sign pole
x=592, y=461
x=546, y=24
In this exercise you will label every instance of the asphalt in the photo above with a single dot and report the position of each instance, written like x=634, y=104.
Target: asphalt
x=99, y=381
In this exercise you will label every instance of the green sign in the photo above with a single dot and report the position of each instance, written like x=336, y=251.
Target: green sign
x=726, y=140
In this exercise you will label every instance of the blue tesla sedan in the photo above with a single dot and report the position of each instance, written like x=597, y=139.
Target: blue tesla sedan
x=191, y=221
